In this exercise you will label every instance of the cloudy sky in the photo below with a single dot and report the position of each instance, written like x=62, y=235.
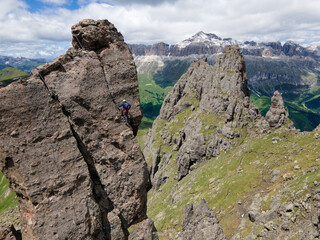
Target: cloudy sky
x=41, y=28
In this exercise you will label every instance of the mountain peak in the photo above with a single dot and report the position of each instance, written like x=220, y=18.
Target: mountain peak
x=205, y=36
x=290, y=42
x=209, y=39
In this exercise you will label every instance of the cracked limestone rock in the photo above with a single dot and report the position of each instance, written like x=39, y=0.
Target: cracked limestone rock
x=73, y=162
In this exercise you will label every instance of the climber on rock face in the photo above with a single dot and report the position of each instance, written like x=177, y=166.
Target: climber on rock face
x=126, y=106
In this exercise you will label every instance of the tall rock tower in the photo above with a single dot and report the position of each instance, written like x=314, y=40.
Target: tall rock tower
x=74, y=163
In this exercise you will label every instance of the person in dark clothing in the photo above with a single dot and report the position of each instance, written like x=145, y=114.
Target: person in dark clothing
x=126, y=106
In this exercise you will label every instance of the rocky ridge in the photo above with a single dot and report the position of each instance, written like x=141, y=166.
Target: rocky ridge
x=72, y=160
x=211, y=142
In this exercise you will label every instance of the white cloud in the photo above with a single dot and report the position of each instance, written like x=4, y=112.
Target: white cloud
x=34, y=50
x=10, y=5
x=171, y=21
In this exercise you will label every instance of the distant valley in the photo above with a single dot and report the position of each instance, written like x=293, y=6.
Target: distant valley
x=9, y=74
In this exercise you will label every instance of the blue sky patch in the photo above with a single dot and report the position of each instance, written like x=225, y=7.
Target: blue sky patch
x=37, y=6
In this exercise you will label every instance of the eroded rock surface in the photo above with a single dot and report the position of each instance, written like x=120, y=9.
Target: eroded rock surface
x=200, y=223
x=67, y=152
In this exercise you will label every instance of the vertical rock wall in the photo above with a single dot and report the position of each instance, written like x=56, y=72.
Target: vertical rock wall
x=69, y=155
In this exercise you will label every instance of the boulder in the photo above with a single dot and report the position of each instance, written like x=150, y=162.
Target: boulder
x=144, y=230
x=200, y=223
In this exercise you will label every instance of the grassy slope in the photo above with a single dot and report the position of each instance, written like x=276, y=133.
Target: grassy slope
x=303, y=118
x=263, y=103
x=311, y=99
x=236, y=176
x=9, y=73
x=6, y=200
x=151, y=98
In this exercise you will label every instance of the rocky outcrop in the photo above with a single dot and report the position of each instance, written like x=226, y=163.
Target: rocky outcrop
x=277, y=114
x=216, y=99
x=200, y=223
x=298, y=218
x=68, y=154
x=144, y=230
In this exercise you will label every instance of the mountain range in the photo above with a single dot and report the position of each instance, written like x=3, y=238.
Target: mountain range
x=290, y=68
x=208, y=43
x=22, y=63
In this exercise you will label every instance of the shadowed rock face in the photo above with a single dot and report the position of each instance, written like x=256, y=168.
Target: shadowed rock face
x=71, y=158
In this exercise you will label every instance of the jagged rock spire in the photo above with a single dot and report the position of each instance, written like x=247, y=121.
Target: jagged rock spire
x=277, y=114
x=215, y=87
x=220, y=90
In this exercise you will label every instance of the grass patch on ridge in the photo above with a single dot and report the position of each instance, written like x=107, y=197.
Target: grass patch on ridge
x=7, y=197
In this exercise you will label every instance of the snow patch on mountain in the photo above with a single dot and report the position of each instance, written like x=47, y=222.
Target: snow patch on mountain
x=314, y=47
x=209, y=39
